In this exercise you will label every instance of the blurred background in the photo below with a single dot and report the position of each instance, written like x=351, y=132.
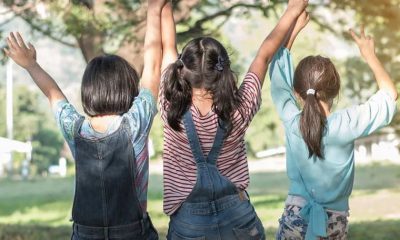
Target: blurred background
x=36, y=166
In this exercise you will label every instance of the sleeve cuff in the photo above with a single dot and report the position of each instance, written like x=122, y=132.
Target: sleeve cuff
x=148, y=97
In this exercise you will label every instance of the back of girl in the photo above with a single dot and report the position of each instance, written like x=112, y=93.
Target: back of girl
x=320, y=143
x=205, y=119
x=110, y=146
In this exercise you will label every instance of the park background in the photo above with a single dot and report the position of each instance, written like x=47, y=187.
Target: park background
x=69, y=33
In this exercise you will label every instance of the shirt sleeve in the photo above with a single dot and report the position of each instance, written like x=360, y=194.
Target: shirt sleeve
x=66, y=116
x=369, y=117
x=281, y=74
x=141, y=114
x=250, y=97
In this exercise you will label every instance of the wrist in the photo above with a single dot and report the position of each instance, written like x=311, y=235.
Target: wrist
x=155, y=8
x=32, y=66
x=371, y=59
x=293, y=13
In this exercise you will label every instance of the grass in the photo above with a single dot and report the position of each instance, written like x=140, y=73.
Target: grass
x=40, y=209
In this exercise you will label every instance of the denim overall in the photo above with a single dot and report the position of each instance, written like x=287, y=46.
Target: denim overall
x=215, y=209
x=106, y=206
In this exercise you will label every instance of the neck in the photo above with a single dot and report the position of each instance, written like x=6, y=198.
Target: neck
x=101, y=123
x=326, y=108
x=202, y=99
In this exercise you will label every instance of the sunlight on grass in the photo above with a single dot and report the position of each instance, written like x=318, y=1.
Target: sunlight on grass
x=40, y=209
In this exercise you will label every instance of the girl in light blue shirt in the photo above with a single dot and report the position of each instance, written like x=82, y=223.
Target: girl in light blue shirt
x=320, y=143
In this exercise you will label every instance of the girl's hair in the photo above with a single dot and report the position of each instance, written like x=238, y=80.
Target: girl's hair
x=109, y=86
x=318, y=73
x=204, y=63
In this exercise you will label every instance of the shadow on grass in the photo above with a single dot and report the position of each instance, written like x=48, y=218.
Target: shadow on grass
x=376, y=230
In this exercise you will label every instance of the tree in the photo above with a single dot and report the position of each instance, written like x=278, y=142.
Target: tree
x=33, y=122
x=119, y=26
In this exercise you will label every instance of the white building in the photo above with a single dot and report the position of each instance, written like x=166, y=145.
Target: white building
x=8, y=146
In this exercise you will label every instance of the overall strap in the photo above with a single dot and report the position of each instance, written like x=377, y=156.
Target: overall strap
x=195, y=143
x=218, y=142
x=192, y=137
x=78, y=125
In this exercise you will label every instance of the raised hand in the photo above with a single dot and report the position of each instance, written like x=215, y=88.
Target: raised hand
x=302, y=21
x=365, y=43
x=23, y=55
x=159, y=4
x=367, y=48
x=297, y=6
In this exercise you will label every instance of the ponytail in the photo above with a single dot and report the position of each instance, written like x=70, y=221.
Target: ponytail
x=225, y=96
x=178, y=93
x=315, y=73
x=312, y=125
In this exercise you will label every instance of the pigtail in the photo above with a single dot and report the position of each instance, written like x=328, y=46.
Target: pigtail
x=312, y=125
x=178, y=93
x=225, y=95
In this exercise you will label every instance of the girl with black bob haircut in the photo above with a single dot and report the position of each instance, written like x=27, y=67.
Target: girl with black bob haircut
x=109, y=147
x=205, y=119
x=109, y=86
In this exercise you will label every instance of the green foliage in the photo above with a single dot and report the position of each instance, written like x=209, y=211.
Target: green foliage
x=33, y=122
x=47, y=143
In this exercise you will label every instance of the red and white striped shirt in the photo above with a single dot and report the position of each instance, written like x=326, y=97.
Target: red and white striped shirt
x=179, y=164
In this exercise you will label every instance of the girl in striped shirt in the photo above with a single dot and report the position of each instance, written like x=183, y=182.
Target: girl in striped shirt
x=206, y=117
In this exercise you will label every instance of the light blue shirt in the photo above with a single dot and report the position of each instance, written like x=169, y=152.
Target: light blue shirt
x=140, y=118
x=325, y=183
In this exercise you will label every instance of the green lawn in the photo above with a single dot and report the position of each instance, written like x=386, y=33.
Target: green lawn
x=40, y=209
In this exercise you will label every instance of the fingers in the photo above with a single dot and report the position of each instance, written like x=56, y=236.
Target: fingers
x=354, y=36
x=362, y=31
x=21, y=40
x=307, y=17
x=31, y=47
x=10, y=43
x=7, y=51
x=14, y=40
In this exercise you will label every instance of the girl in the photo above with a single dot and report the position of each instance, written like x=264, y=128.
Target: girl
x=206, y=117
x=110, y=147
x=320, y=143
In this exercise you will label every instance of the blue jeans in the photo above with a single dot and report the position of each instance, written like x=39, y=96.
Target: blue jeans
x=236, y=219
x=215, y=209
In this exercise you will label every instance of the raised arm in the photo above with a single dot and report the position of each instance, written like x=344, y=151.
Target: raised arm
x=275, y=39
x=152, y=48
x=367, y=49
x=168, y=30
x=301, y=22
x=25, y=56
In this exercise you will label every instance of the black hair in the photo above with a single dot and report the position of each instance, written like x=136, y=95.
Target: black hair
x=109, y=86
x=204, y=63
x=317, y=73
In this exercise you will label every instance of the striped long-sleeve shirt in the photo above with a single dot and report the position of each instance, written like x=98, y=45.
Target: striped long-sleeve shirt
x=179, y=164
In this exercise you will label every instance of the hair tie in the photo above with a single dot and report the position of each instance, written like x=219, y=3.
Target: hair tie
x=220, y=65
x=311, y=91
x=179, y=61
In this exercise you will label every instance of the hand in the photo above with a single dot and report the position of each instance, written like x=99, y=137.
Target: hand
x=365, y=43
x=297, y=6
x=157, y=4
x=302, y=21
x=19, y=52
